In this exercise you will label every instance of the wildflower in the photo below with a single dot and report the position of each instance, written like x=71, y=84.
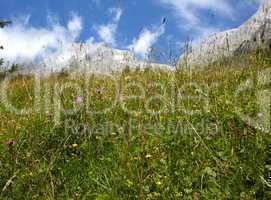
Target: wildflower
x=78, y=100
x=75, y=145
x=148, y=156
x=129, y=183
x=113, y=134
x=158, y=183
x=156, y=194
x=10, y=143
x=178, y=194
x=98, y=137
x=135, y=158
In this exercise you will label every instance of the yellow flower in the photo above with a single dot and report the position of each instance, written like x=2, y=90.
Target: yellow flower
x=129, y=183
x=156, y=194
x=158, y=183
x=178, y=194
x=148, y=156
x=98, y=137
x=135, y=158
x=75, y=145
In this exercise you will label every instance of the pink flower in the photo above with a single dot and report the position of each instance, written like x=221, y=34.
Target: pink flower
x=10, y=143
x=78, y=100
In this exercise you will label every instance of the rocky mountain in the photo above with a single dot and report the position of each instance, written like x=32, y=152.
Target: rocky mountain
x=253, y=34
x=87, y=57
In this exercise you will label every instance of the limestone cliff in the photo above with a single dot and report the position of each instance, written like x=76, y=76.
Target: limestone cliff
x=253, y=34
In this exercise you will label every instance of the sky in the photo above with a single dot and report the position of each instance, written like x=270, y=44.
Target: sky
x=40, y=27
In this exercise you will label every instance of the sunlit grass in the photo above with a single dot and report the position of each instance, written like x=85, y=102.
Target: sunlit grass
x=180, y=138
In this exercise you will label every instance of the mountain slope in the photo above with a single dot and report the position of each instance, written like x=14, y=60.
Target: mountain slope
x=87, y=57
x=253, y=34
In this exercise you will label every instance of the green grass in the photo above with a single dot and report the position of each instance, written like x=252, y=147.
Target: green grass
x=193, y=148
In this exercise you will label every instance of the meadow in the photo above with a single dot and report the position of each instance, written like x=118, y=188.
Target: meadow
x=138, y=134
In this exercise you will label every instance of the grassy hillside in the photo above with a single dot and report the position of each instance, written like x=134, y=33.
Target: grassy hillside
x=139, y=134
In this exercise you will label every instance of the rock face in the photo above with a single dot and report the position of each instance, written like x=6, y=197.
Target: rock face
x=89, y=58
x=253, y=34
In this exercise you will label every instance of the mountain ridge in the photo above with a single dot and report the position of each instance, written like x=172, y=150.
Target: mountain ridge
x=86, y=57
x=253, y=34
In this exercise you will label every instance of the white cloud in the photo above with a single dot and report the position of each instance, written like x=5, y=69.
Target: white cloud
x=107, y=32
x=188, y=9
x=190, y=17
x=55, y=44
x=146, y=40
x=24, y=43
x=188, y=14
x=116, y=13
x=75, y=25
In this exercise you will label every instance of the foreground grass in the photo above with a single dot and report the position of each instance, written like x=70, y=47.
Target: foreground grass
x=138, y=135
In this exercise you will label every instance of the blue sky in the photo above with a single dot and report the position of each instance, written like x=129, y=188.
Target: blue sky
x=124, y=24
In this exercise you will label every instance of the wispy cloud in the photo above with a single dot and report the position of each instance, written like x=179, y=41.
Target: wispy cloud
x=107, y=32
x=75, y=25
x=188, y=10
x=146, y=40
x=190, y=14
